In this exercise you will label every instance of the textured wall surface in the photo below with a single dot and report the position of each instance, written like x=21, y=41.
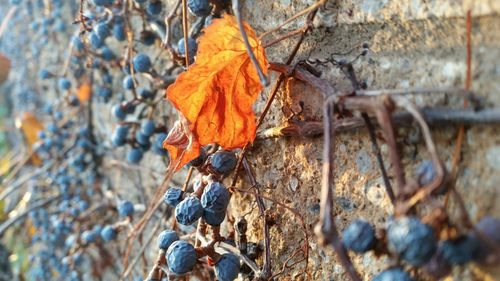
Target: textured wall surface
x=412, y=44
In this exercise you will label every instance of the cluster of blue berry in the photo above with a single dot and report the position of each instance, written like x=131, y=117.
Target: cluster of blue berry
x=208, y=201
x=417, y=244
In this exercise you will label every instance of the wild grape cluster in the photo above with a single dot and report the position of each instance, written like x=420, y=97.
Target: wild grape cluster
x=207, y=202
x=418, y=244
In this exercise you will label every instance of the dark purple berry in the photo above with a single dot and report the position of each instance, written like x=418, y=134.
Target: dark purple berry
x=188, y=211
x=359, y=236
x=173, y=196
x=166, y=238
x=215, y=197
x=223, y=162
x=394, y=274
x=199, y=8
x=181, y=257
x=227, y=268
x=412, y=240
x=141, y=63
x=125, y=208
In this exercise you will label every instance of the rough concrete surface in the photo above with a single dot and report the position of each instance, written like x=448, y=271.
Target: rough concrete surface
x=412, y=44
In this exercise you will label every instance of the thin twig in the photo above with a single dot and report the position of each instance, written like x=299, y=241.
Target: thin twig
x=433, y=116
x=4, y=226
x=263, y=78
x=143, y=248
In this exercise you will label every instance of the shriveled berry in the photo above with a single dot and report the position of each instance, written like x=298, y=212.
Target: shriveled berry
x=227, y=268
x=173, y=196
x=412, y=240
x=359, y=236
x=181, y=257
x=223, y=162
x=166, y=238
x=215, y=197
x=393, y=274
x=188, y=211
x=214, y=218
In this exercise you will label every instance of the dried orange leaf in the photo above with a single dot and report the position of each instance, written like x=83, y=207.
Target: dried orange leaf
x=217, y=92
x=84, y=92
x=4, y=68
x=181, y=147
x=30, y=126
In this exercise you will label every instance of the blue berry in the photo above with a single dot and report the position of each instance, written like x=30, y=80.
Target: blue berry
x=490, y=228
x=148, y=38
x=95, y=40
x=73, y=100
x=108, y=233
x=125, y=208
x=166, y=238
x=141, y=138
x=173, y=196
x=118, y=112
x=141, y=63
x=134, y=155
x=58, y=115
x=128, y=82
x=119, y=32
x=64, y=84
x=154, y=8
x=227, y=268
x=192, y=47
x=44, y=74
x=102, y=2
x=181, y=257
x=199, y=8
x=214, y=218
x=359, y=236
x=89, y=236
x=117, y=140
x=102, y=30
x=188, y=211
x=394, y=274
x=223, y=162
x=215, y=197
x=160, y=138
x=425, y=172
x=121, y=131
x=412, y=240
x=460, y=251
x=107, y=54
x=148, y=127
x=104, y=92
